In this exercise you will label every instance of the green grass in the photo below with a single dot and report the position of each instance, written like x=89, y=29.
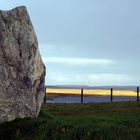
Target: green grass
x=92, y=121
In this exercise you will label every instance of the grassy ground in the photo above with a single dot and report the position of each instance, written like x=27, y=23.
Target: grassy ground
x=94, y=121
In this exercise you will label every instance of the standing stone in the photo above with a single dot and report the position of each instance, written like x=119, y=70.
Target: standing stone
x=22, y=71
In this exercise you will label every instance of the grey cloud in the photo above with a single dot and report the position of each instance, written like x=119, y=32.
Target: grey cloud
x=91, y=29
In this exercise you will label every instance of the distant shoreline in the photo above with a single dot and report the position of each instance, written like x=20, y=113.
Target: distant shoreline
x=74, y=95
x=133, y=88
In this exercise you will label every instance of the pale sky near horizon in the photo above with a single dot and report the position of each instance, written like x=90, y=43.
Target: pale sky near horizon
x=86, y=42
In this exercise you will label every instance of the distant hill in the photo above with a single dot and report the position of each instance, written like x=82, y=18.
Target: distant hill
x=134, y=88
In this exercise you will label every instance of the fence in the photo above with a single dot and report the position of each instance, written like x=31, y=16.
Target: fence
x=82, y=94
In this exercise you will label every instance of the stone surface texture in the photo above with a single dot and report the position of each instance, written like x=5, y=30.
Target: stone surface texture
x=22, y=71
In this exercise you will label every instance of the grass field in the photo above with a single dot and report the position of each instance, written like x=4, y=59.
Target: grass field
x=92, y=92
x=92, y=121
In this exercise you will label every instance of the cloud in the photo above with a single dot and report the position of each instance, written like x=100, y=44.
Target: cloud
x=110, y=77
x=85, y=71
x=78, y=61
x=90, y=79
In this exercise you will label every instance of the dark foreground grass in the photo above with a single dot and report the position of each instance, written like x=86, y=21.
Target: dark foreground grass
x=100, y=121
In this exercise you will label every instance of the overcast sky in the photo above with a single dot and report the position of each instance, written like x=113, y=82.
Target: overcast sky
x=88, y=42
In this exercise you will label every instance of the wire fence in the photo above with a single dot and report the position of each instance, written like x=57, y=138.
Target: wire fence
x=83, y=95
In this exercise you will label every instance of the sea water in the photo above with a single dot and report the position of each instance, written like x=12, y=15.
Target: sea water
x=88, y=99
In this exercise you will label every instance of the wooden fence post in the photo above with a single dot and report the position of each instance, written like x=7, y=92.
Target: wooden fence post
x=45, y=98
x=137, y=93
x=81, y=95
x=111, y=95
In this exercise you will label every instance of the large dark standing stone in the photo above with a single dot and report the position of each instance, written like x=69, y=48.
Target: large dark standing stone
x=22, y=71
